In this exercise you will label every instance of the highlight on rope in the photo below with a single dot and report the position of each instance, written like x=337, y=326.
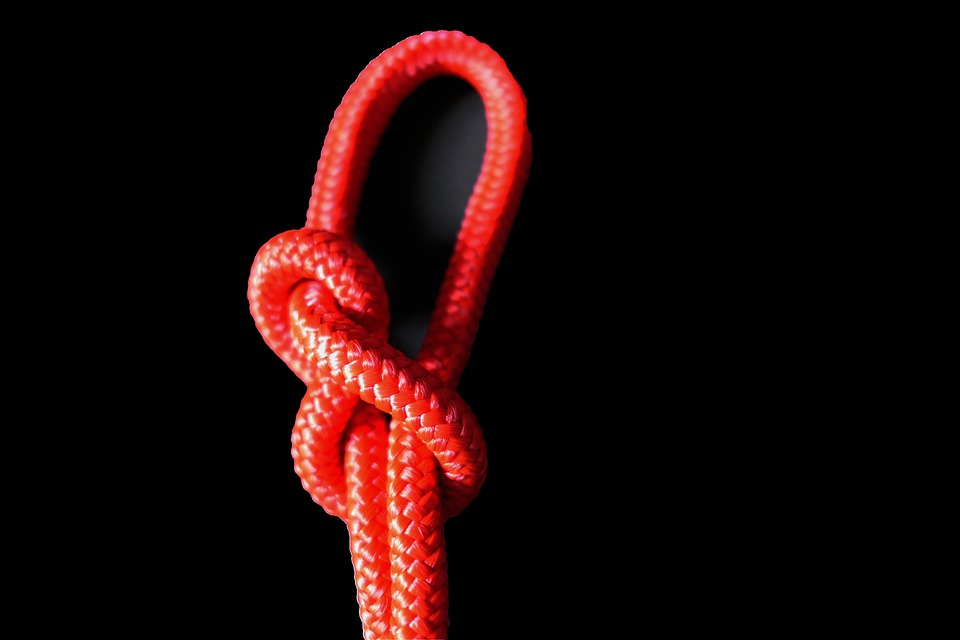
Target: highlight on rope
x=381, y=440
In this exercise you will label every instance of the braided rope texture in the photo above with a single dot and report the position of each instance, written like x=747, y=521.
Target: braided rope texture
x=381, y=440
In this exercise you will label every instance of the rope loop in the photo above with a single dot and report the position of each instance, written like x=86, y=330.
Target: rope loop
x=381, y=440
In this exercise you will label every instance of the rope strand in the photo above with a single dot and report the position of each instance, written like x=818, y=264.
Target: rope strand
x=383, y=441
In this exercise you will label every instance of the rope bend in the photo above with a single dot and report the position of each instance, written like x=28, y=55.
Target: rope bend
x=380, y=440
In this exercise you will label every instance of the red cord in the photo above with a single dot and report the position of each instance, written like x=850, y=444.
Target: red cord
x=321, y=306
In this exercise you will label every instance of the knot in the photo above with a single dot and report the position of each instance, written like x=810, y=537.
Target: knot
x=381, y=440
x=321, y=305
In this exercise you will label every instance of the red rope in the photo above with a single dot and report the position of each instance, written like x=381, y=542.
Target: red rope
x=395, y=466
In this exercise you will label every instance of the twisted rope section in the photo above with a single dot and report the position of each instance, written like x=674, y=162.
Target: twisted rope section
x=383, y=441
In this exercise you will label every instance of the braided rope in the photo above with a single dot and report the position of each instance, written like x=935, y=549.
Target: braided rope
x=383, y=441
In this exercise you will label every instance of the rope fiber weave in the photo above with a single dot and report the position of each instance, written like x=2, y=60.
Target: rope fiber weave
x=381, y=440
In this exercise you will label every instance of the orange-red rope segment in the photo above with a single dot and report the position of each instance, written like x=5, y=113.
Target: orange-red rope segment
x=381, y=440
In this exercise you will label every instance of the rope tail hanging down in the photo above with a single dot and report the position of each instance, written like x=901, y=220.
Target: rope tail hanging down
x=383, y=441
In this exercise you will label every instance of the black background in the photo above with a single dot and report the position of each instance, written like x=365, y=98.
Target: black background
x=615, y=360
